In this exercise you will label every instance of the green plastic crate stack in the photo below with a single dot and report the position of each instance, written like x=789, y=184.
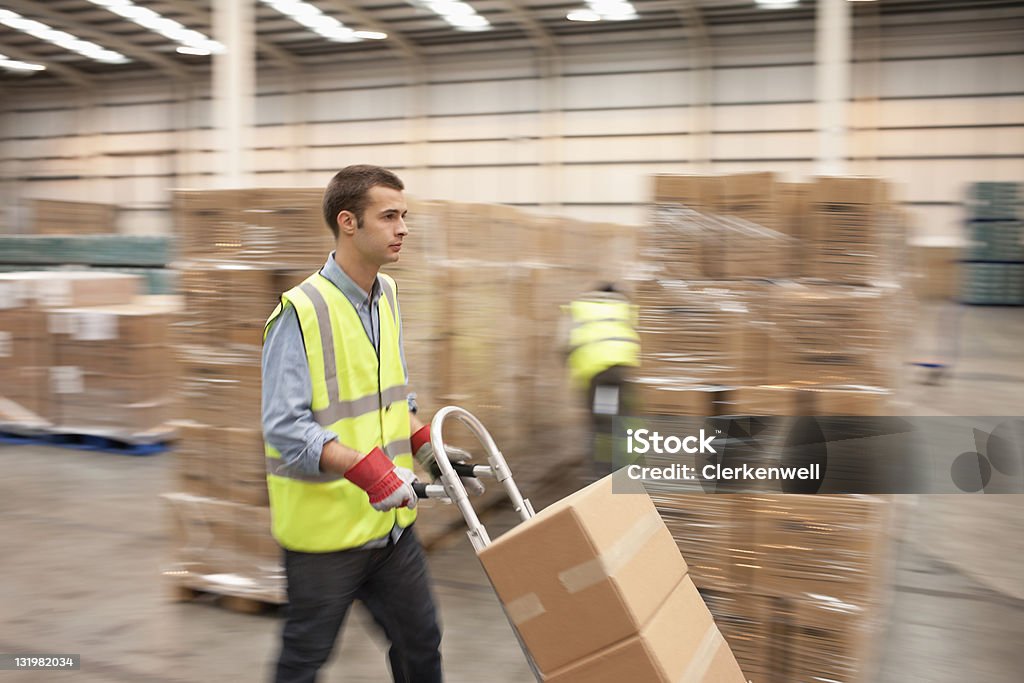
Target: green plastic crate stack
x=86, y=250
x=144, y=255
x=995, y=201
x=994, y=284
x=995, y=240
x=993, y=273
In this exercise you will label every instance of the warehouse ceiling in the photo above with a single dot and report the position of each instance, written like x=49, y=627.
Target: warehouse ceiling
x=121, y=46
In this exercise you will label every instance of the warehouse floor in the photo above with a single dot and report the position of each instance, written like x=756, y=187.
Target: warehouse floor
x=85, y=544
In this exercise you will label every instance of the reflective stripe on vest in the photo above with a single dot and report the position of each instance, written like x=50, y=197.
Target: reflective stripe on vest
x=602, y=336
x=362, y=400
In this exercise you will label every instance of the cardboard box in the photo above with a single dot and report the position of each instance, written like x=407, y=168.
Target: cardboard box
x=700, y=193
x=832, y=546
x=585, y=573
x=55, y=289
x=679, y=643
x=52, y=217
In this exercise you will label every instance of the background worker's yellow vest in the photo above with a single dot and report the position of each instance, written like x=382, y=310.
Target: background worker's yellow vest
x=358, y=397
x=602, y=336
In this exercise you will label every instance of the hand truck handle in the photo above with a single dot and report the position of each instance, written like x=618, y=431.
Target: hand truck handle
x=450, y=477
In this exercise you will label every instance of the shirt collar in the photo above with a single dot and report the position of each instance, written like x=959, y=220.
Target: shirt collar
x=353, y=292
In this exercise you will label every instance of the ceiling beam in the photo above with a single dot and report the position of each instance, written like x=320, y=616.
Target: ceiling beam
x=201, y=15
x=32, y=9
x=395, y=40
x=533, y=27
x=68, y=74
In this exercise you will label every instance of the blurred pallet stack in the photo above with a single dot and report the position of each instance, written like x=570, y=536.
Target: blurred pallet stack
x=809, y=330
x=804, y=316
x=796, y=583
x=84, y=354
x=240, y=250
x=53, y=217
x=993, y=269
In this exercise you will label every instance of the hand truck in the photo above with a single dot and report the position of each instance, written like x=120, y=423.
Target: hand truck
x=452, y=488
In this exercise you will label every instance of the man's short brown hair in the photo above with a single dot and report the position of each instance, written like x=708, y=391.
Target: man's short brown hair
x=349, y=190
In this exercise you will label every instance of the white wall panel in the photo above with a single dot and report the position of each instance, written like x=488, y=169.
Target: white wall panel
x=475, y=153
x=134, y=118
x=626, y=121
x=624, y=149
x=627, y=90
x=941, y=141
x=135, y=143
x=768, y=84
x=952, y=76
x=356, y=104
x=483, y=127
x=501, y=185
x=939, y=112
x=361, y=132
x=340, y=156
x=763, y=146
x=483, y=97
x=625, y=183
x=765, y=117
x=44, y=122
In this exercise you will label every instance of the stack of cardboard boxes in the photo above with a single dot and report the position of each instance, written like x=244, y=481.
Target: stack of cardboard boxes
x=52, y=217
x=598, y=592
x=813, y=317
x=796, y=583
x=231, y=282
x=793, y=581
x=82, y=353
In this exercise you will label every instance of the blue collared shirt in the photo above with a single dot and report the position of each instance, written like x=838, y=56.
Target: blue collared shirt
x=288, y=423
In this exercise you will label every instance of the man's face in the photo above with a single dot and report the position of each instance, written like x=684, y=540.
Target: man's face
x=378, y=240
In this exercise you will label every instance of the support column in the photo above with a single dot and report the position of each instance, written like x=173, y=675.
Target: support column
x=234, y=79
x=832, y=74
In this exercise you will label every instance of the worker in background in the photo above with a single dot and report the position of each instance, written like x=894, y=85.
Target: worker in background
x=341, y=430
x=602, y=347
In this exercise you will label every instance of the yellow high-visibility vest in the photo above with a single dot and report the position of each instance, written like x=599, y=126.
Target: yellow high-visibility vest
x=602, y=336
x=357, y=396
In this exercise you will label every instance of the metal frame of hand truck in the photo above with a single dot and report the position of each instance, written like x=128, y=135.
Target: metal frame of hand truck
x=452, y=488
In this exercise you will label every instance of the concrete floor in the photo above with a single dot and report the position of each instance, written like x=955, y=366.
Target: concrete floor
x=85, y=543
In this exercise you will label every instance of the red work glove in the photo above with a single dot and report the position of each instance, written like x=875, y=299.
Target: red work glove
x=387, y=486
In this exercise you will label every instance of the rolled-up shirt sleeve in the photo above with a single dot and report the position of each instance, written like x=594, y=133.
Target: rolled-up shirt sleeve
x=288, y=423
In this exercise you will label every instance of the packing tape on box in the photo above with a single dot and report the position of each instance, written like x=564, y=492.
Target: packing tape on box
x=703, y=656
x=586, y=574
x=524, y=608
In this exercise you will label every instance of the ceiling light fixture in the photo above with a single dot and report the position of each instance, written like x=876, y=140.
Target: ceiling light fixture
x=777, y=4
x=196, y=43
x=458, y=14
x=610, y=10
x=17, y=65
x=71, y=43
x=583, y=15
x=319, y=23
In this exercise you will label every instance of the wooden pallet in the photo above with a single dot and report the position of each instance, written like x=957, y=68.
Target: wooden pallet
x=244, y=604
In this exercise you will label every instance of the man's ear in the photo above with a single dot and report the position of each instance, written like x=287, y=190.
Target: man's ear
x=347, y=223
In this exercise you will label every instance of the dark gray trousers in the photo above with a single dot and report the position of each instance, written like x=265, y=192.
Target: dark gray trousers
x=392, y=582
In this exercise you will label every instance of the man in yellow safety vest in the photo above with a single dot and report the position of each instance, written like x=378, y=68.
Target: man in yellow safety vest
x=340, y=434
x=602, y=348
